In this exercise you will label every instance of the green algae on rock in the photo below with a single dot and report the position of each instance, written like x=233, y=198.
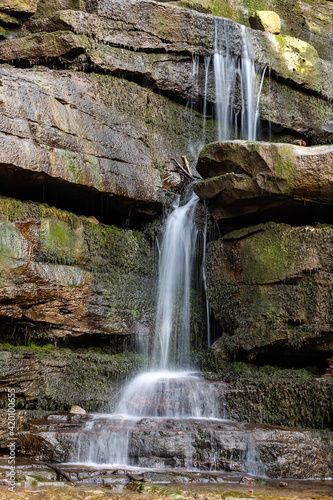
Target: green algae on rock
x=73, y=276
x=55, y=379
x=271, y=283
x=266, y=20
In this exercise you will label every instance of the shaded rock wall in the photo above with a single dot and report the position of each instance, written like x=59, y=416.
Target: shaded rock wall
x=271, y=283
x=56, y=379
x=69, y=276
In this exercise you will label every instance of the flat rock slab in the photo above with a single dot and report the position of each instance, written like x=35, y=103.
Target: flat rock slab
x=245, y=177
x=202, y=444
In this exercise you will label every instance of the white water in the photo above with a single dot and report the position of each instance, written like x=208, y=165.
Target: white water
x=237, y=82
x=167, y=393
x=172, y=330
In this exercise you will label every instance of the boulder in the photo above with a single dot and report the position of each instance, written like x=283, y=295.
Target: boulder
x=77, y=410
x=245, y=177
x=266, y=20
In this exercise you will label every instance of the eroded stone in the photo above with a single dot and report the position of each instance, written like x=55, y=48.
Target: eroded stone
x=266, y=20
x=247, y=177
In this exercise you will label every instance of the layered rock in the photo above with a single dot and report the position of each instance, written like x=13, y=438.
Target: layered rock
x=56, y=130
x=249, y=177
x=120, y=38
x=272, y=284
x=298, y=19
x=228, y=446
x=55, y=379
x=65, y=275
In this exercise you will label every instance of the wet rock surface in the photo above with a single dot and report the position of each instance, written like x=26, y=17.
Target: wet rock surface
x=298, y=20
x=41, y=482
x=132, y=39
x=202, y=444
x=248, y=177
x=92, y=117
x=280, y=289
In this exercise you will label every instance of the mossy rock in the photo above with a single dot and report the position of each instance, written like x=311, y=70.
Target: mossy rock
x=9, y=21
x=19, y=6
x=265, y=20
x=270, y=283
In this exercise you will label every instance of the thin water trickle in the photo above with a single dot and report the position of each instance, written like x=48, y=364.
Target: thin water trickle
x=235, y=80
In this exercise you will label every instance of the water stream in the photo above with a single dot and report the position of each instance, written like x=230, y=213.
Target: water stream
x=165, y=393
x=170, y=389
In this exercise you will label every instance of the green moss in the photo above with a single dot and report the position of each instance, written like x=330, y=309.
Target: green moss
x=59, y=378
x=46, y=8
x=59, y=243
x=270, y=283
x=272, y=395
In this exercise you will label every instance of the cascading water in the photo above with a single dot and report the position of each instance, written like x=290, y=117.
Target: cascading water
x=168, y=393
x=237, y=83
x=172, y=331
x=165, y=393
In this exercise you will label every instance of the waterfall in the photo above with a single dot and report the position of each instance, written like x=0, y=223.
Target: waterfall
x=163, y=392
x=172, y=331
x=237, y=83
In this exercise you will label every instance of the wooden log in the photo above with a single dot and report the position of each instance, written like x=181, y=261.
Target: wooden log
x=59, y=472
x=190, y=176
x=187, y=165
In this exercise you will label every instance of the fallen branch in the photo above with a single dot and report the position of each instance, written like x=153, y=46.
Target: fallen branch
x=187, y=165
x=59, y=472
x=190, y=176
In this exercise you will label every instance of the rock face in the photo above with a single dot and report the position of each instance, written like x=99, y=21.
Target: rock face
x=19, y=6
x=55, y=379
x=272, y=283
x=64, y=273
x=275, y=452
x=99, y=100
x=249, y=177
x=109, y=38
x=298, y=19
x=55, y=131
